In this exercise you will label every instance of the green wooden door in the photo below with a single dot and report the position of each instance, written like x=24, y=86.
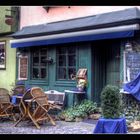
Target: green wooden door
x=105, y=66
x=113, y=64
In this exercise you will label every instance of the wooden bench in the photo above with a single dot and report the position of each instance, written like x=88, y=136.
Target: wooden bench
x=56, y=97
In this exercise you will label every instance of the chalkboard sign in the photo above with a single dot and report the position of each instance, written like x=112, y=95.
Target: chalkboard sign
x=133, y=63
x=23, y=68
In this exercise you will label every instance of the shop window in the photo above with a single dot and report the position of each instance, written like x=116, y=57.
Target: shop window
x=38, y=64
x=66, y=63
x=3, y=55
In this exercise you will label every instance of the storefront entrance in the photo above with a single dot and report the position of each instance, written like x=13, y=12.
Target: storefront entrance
x=105, y=65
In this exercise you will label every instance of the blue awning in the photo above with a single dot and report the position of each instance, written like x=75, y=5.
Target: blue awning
x=80, y=38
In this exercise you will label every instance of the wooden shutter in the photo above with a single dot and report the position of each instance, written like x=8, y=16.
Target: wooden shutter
x=23, y=68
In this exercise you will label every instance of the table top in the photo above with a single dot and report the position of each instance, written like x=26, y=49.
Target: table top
x=72, y=91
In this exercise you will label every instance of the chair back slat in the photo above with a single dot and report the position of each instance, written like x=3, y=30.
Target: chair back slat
x=4, y=96
x=38, y=92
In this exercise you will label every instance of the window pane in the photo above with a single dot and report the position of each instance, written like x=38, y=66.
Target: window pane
x=35, y=61
x=61, y=51
x=43, y=51
x=43, y=73
x=35, y=73
x=36, y=53
x=71, y=71
x=72, y=60
x=43, y=63
x=71, y=50
x=62, y=60
x=61, y=73
x=38, y=65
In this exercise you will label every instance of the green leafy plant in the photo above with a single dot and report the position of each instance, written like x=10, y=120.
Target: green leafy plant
x=82, y=110
x=111, y=102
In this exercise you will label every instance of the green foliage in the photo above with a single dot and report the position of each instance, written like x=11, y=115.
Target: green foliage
x=111, y=102
x=82, y=110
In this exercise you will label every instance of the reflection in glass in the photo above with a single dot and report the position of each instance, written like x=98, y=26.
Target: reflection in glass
x=62, y=60
x=71, y=50
x=62, y=73
x=35, y=61
x=43, y=73
x=35, y=73
x=62, y=51
x=72, y=60
x=71, y=71
x=43, y=62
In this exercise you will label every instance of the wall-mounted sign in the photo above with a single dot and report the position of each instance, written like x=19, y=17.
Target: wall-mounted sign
x=23, y=68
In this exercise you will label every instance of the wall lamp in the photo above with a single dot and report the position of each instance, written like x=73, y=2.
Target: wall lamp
x=46, y=8
x=132, y=46
x=49, y=60
x=128, y=46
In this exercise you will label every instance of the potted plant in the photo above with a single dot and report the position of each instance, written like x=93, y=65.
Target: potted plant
x=82, y=84
x=111, y=120
x=111, y=102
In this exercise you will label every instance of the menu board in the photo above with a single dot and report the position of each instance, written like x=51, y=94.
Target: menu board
x=23, y=68
x=133, y=63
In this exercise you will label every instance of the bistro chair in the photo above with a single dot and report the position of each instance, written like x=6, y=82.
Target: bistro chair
x=17, y=93
x=34, y=106
x=40, y=112
x=6, y=107
x=23, y=107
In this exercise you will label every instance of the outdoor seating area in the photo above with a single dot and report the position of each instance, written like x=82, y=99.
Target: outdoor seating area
x=32, y=107
x=30, y=104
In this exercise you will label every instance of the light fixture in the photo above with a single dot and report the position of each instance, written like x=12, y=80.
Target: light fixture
x=46, y=8
x=128, y=46
x=48, y=60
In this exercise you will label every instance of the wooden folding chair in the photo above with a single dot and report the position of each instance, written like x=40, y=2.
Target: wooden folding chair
x=40, y=113
x=23, y=107
x=6, y=107
x=19, y=91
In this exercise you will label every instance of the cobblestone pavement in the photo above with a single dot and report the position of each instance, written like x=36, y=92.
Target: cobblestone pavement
x=62, y=127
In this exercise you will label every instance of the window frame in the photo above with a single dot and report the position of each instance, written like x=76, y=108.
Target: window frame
x=67, y=63
x=4, y=64
x=31, y=68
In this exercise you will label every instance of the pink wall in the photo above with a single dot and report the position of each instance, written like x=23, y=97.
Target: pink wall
x=33, y=15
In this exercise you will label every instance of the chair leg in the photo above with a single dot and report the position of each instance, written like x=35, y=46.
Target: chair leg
x=19, y=121
x=51, y=119
x=36, y=124
x=14, y=118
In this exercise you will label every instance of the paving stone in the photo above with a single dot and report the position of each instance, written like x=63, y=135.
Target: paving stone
x=7, y=127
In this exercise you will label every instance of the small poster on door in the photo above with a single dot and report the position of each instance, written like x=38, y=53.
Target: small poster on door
x=23, y=68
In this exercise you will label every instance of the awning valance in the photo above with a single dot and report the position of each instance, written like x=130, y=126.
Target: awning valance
x=79, y=36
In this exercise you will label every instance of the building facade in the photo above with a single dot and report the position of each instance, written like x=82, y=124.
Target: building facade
x=9, y=25
x=54, y=42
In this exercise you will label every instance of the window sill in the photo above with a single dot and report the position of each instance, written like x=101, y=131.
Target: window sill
x=37, y=82
x=65, y=83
